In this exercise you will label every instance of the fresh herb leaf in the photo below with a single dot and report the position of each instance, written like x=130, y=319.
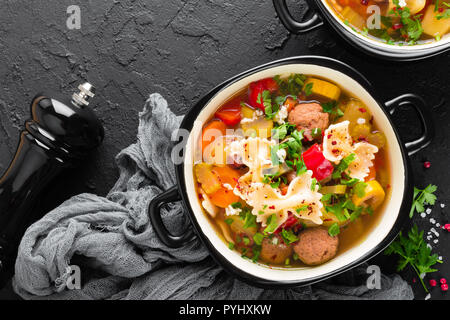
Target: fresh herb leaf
x=360, y=189
x=236, y=205
x=272, y=224
x=288, y=236
x=229, y=221
x=422, y=198
x=334, y=229
x=343, y=165
x=308, y=89
x=414, y=251
x=258, y=238
x=302, y=208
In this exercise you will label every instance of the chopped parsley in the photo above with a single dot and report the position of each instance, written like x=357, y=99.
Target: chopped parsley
x=308, y=89
x=343, y=165
x=258, y=238
x=272, y=224
x=413, y=250
x=334, y=229
x=422, y=198
x=359, y=189
x=288, y=236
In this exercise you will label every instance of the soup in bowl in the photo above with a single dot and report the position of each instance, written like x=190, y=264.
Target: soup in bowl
x=292, y=172
x=391, y=29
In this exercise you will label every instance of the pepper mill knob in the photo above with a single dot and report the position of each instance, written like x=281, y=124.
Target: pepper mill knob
x=58, y=135
x=81, y=98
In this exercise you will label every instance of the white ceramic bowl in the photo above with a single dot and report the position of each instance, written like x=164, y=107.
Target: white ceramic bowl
x=395, y=209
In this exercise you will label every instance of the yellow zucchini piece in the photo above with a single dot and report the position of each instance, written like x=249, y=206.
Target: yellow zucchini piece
x=324, y=89
x=377, y=139
x=247, y=112
x=355, y=110
x=337, y=189
x=354, y=18
x=238, y=226
x=373, y=197
x=432, y=26
x=361, y=131
x=329, y=219
x=414, y=6
x=209, y=181
x=260, y=127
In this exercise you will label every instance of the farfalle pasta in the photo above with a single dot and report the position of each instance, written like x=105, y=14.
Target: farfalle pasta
x=338, y=144
x=281, y=164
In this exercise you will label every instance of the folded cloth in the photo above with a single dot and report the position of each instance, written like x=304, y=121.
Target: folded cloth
x=120, y=257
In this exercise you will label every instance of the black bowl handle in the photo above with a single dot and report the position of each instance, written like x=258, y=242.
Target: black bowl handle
x=293, y=25
x=154, y=212
x=424, y=116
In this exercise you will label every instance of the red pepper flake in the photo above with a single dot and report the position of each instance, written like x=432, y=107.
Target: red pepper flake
x=335, y=150
x=447, y=227
x=333, y=143
x=427, y=164
x=443, y=281
x=364, y=2
x=272, y=207
x=361, y=138
x=441, y=9
x=362, y=110
x=444, y=287
x=433, y=283
x=397, y=26
x=388, y=186
x=414, y=280
x=329, y=136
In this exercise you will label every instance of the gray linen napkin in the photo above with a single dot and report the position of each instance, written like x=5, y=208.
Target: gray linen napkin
x=121, y=257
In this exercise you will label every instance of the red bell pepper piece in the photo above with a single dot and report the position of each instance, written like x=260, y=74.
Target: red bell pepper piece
x=290, y=221
x=315, y=161
x=230, y=113
x=256, y=90
x=269, y=84
x=255, y=95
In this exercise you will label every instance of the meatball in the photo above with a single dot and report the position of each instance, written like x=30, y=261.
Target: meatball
x=274, y=250
x=308, y=116
x=316, y=246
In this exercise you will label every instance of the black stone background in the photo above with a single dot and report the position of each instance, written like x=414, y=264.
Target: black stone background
x=181, y=49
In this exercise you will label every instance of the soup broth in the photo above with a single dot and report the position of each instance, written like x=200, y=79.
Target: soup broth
x=401, y=22
x=293, y=171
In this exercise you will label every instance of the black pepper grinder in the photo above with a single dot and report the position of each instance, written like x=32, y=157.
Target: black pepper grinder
x=58, y=136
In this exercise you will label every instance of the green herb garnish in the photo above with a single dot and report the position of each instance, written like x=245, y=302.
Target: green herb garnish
x=414, y=251
x=422, y=198
x=343, y=165
x=272, y=224
x=334, y=229
x=288, y=236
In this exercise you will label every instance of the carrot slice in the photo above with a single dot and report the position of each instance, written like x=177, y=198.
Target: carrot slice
x=224, y=196
x=290, y=104
x=212, y=131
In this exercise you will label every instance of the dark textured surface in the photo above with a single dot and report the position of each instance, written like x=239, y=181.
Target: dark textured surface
x=129, y=49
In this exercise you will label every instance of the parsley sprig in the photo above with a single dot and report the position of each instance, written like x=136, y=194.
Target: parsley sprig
x=414, y=251
x=422, y=198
